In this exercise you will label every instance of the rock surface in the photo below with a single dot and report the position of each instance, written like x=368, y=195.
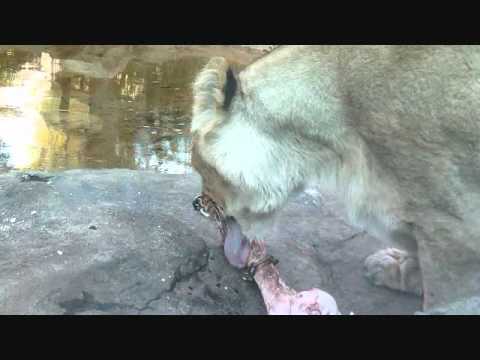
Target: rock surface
x=105, y=61
x=129, y=242
x=468, y=306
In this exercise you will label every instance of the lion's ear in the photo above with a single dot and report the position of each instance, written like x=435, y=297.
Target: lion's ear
x=213, y=91
x=209, y=86
x=231, y=87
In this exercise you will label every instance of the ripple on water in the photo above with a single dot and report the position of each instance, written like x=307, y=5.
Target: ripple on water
x=51, y=118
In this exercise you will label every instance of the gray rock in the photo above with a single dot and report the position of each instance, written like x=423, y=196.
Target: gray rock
x=152, y=254
x=470, y=306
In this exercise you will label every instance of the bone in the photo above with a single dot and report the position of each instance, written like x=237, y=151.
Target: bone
x=240, y=252
x=282, y=300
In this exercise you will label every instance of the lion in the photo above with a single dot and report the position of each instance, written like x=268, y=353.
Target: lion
x=392, y=131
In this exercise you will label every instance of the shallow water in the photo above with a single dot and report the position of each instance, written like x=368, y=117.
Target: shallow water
x=65, y=113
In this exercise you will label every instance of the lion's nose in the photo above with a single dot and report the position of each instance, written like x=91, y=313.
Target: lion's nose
x=197, y=203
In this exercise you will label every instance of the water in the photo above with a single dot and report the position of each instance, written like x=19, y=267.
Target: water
x=64, y=113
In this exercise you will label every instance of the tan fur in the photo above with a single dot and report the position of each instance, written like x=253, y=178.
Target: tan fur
x=392, y=130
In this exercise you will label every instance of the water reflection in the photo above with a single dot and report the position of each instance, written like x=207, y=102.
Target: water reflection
x=53, y=117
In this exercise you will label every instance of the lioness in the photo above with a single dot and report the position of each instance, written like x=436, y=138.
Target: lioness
x=393, y=130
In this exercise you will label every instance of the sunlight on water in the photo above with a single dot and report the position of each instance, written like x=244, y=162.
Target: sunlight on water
x=64, y=114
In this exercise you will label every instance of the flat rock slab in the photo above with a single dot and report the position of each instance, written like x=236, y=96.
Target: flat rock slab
x=129, y=242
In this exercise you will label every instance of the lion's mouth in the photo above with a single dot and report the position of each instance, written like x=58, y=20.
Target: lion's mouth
x=235, y=243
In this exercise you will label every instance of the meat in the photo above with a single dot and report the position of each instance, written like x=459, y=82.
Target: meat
x=241, y=253
x=279, y=298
